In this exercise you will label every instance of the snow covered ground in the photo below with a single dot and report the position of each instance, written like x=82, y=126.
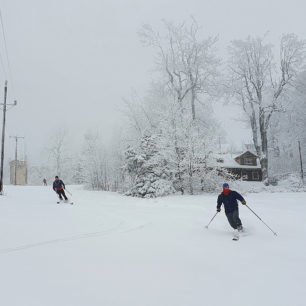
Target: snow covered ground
x=112, y=250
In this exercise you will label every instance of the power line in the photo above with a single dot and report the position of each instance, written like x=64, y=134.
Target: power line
x=3, y=67
x=6, y=51
x=5, y=104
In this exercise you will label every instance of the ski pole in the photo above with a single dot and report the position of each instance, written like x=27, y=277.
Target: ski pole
x=68, y=191
x=58, y=196
x=261, y=220
x=211, y=219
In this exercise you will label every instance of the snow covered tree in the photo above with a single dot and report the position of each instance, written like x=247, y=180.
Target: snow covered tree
x=57, y=150
x=148, y=169
x=95, y=163
x=287, y=131
x=259, y=83
x=185, y=144
x=187, y=62
x=78, y=171
x=36, y=174
x=188, y=68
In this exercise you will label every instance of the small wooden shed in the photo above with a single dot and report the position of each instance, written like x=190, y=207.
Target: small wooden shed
x=18, y=172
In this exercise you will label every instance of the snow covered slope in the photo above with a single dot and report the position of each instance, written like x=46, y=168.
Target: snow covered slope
x=112, y=250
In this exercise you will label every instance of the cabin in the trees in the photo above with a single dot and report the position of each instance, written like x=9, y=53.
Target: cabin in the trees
x=244, y=166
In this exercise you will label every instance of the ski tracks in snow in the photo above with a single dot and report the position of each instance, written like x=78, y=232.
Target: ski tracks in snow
x=119, y=229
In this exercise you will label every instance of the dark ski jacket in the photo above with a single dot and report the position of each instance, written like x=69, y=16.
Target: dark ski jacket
x=229, y=201
x=58, y=185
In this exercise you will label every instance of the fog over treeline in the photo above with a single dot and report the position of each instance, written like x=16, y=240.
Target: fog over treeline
x=169, y=136
x=121, y=97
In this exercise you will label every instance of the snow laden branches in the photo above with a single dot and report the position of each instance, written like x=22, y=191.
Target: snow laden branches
x=100, y=163
x=169, y=138
x=288, y=130
x=172, y=127
x=260, y=82
x=149, y=169
x=58, y=150
x=186, y=62
x=56, y=159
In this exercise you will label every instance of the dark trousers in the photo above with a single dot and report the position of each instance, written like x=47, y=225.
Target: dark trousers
x=62, y=193
x=233, y=219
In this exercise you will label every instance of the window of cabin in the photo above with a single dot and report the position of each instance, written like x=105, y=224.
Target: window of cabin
x=244, y=176
x=248, y=161
x=255, y=175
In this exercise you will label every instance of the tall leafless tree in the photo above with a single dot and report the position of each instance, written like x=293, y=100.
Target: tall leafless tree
x=259, y=82
x=188, y=62
x=57, y=150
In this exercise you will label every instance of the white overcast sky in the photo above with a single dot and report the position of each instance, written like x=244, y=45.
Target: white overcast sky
x=72, y=61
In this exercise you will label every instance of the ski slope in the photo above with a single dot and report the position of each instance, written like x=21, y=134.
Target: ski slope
x=112, y=250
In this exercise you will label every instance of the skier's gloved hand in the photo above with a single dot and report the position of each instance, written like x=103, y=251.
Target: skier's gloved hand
x=218, y=209
x=243, y=202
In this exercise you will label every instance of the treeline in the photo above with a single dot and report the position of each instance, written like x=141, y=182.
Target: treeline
x=170, y=136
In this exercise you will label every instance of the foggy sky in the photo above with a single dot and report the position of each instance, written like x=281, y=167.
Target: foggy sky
x=72, y=61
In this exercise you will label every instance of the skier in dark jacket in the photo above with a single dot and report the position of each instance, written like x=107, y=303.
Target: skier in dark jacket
x=58, y=187
x=229, y=199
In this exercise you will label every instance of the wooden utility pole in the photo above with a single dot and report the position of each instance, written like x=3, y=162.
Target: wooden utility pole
x=3, y=134
x=301, y=162
x=16, y=159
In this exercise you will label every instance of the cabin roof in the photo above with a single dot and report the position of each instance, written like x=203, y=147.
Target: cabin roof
x=229, y=161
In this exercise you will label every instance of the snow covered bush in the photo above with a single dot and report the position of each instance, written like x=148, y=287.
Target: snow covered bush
x=214, y=178
x=148, y=170
x=172, y=130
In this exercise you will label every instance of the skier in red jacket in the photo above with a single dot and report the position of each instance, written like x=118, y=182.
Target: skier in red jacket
x=58, y=187
x=229, y=200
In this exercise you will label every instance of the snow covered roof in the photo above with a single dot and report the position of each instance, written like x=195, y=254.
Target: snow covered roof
x=227, y=160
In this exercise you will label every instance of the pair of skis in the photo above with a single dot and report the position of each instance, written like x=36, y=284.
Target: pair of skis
x=65, y=201
x=236, y=236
